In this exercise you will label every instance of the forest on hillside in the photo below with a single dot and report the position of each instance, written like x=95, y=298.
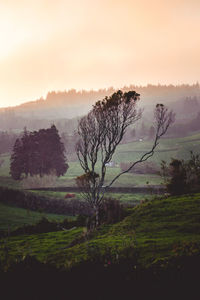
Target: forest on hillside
x=64, y=107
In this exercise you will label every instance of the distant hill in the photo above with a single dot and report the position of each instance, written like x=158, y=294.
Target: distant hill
x=70, y=104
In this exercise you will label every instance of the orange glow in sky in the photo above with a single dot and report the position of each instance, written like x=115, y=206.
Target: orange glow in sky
x=50, y=45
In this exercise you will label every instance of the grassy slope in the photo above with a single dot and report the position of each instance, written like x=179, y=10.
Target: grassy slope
x=40, y=245
x=151, y=233
x=167, y=148
x=13, y=217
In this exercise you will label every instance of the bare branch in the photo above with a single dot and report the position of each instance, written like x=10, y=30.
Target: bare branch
x=163, y=119
x=100, y=133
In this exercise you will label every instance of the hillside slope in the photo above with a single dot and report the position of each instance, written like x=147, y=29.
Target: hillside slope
x=155, y=231
x=153, y=252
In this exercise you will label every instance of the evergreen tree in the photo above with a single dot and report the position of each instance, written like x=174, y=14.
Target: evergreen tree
x=16, y=167
x=26, y=153
x=56, y=157
x=39, y=152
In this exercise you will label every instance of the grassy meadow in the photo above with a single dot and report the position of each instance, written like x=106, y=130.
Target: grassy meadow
x=40, y=245
x=155, y=231
x=167, y=149
x=132, y=198
x=12, y=217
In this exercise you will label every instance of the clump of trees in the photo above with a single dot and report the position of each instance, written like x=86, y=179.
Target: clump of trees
x=182, y=176
x=101, y=131
x=38, y=153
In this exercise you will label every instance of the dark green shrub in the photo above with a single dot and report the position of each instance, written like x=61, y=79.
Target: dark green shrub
x=178, y=182
x=181, y=176
x=34, y=202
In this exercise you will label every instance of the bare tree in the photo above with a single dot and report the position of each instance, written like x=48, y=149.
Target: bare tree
x=100, y=133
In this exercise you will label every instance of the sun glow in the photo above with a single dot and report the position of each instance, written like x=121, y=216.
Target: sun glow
x=11, y=37
x=56, y=45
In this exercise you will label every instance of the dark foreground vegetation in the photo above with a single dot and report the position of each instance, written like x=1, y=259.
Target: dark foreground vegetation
x=34, y=280
x=153, y=252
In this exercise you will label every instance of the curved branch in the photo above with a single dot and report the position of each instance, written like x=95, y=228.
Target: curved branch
x=164, y=119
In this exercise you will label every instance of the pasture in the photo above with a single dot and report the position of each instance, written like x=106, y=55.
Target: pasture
x=156, y=231
x=13, y=217
x=168, y=148
x=131, y=198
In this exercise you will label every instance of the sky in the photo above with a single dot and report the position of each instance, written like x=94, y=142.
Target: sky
x=50, y=45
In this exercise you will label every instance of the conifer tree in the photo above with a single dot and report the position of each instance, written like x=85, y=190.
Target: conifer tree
x=38, y=153
x=16, y=167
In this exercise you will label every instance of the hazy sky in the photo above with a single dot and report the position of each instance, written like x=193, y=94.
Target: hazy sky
x=59, y=44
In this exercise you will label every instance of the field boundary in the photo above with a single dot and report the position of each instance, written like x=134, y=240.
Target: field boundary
x=156, y=189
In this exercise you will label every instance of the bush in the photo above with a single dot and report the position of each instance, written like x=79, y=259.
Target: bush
x=184, y=175
x=40, y=203
x=177, y=184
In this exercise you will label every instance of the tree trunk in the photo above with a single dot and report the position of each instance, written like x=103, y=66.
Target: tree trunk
x=96, y=216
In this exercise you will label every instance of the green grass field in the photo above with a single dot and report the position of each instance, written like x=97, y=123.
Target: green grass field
x=155, y=231
x=13, y=217
x=40, y=245
x=122, y=197
x=129, y=198
x=167, y=149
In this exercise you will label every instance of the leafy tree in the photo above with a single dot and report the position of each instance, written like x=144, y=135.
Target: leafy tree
x=182, y=176
x=100, y=133
x=193, y=171
x=178, y=182
x=39, y=152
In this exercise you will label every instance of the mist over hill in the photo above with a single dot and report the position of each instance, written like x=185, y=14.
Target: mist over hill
x=62, y=106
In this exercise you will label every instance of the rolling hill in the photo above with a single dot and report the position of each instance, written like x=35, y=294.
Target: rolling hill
x=156, y=246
